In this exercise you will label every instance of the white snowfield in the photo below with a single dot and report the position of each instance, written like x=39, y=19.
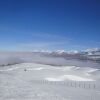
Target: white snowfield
x=31, y=81
x=69, y=77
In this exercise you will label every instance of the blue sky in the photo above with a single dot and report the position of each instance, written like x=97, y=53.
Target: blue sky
x=28, y=25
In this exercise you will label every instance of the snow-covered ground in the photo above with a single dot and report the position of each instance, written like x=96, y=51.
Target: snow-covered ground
x=31, y=81
x=39, y=76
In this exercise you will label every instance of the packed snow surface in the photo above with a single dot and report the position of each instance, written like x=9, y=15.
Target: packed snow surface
x=69, y=77
x=31, y=81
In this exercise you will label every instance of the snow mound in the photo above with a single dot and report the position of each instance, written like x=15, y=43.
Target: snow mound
x=69, y=77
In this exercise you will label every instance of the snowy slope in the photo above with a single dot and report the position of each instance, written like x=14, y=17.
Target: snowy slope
x=30, y=81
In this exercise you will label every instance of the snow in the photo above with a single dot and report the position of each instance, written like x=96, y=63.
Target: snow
x=69, y=77
x=40, y=68
x=56, y=73
x=26, y=76
x=46, y=82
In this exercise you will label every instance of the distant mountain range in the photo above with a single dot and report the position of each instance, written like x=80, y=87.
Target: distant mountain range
x=59, y=57
x=88, y=54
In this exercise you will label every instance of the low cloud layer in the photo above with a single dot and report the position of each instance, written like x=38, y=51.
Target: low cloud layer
x=8, y=58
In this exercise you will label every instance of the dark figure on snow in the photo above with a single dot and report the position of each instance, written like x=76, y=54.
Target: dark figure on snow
x=25, y=70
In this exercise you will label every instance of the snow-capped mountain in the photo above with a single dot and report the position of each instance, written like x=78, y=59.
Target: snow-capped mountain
x=88, y=54
x=94, y=51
